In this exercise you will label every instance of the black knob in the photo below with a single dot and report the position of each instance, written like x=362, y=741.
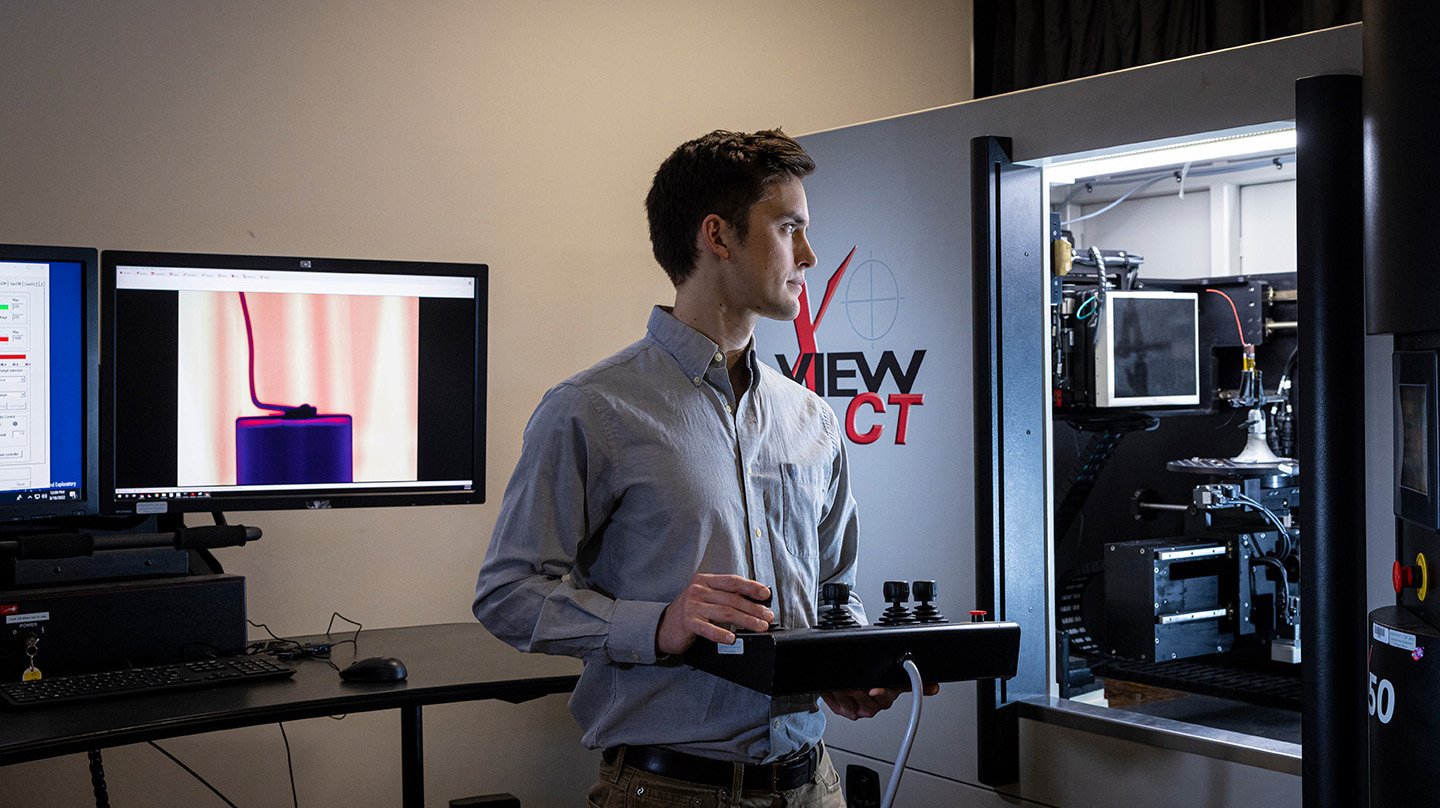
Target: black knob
x=924, y=591
x=834, y=593
x=897, y=591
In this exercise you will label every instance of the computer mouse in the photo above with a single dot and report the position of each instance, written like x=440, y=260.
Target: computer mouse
x=375, y=669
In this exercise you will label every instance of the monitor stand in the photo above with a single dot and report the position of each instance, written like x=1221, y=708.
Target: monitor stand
x=100, y=549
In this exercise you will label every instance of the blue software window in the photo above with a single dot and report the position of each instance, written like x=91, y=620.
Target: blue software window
x=42, y=381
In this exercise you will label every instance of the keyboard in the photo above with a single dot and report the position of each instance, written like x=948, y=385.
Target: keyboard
x=58, y=690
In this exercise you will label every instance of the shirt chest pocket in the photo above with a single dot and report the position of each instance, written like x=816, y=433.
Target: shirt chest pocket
x=803, y=494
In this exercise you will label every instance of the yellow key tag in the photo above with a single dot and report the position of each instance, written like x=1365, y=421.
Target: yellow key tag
x=32, y=674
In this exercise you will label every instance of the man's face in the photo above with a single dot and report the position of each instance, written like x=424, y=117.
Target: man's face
x=769, y=264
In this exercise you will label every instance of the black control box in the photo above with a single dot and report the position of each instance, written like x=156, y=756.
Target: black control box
x=83, y=627
x=814, y=660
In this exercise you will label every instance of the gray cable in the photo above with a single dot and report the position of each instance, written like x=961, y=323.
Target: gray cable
x=1116, y=202
x=917, y=689
x=1205, y=172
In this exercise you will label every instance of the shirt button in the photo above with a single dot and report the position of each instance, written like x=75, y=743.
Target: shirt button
x=727, y=408
x=776, y=725
x=719, y=358
x=757, y=532
x=696, y=380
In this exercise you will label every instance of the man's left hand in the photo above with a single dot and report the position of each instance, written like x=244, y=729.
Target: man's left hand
x=856, y=704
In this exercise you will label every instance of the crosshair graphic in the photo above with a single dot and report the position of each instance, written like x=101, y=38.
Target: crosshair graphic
x=872, y=300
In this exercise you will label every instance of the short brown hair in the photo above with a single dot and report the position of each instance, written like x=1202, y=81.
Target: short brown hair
x=724, y=173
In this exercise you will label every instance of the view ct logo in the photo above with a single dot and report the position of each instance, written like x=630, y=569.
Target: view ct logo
x=834, y=374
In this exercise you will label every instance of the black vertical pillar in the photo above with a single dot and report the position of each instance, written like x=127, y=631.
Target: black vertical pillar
x=1330, y=222
x=998, y=741
x=1402, y=67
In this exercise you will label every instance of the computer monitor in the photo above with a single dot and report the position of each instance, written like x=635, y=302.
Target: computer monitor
x=1147, y=352
x=49, y=348
x=258, y=383
x=1416, y=376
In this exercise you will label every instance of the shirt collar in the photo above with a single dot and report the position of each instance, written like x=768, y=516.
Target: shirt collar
x=695, y=352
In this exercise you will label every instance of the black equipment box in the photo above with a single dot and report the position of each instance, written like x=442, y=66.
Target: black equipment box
x=812, y=660
x=85, y=627
x=1167, y=599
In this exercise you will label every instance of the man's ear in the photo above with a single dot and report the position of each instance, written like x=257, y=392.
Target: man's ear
x=714, y=237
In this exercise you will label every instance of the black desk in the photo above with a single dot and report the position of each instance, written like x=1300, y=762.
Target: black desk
x=446, y=663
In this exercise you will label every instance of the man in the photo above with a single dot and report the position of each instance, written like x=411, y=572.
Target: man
x=681, y=489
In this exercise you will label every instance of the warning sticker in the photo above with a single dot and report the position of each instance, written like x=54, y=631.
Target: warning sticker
x=32, y=617
x=1401, y=640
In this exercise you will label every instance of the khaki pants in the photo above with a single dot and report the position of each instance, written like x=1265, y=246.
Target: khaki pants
x=622, y=786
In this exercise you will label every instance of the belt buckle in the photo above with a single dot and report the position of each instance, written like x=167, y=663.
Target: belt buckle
x=800, y=762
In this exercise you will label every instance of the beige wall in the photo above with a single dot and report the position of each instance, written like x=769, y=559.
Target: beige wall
x=518, y=134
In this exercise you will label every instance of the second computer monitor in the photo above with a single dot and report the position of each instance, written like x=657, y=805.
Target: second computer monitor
x=260, y=382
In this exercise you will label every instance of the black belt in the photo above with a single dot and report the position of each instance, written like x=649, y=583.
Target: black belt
x=784, y=775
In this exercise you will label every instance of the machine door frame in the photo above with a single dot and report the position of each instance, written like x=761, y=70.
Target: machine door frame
x=1012, y=474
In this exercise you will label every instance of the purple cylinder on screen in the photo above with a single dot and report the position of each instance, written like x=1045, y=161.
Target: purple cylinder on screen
x=271, y=450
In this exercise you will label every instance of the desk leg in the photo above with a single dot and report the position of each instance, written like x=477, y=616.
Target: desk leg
x=412, y=761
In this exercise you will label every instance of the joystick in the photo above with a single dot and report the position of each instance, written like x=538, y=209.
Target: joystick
x=896, y=614
x=769, y=598
x=835, y=596
x=926, y=612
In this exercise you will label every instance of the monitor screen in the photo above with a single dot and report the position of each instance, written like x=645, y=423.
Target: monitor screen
x=1147, y=352
x=1417, y=436
x=253, y=382
x=48, y=382
x=1414, y=428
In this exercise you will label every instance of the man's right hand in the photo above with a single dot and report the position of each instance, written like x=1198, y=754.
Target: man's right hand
x=711, y=600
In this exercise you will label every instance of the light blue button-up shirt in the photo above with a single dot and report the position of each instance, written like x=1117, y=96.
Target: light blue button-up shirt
x=635, y=475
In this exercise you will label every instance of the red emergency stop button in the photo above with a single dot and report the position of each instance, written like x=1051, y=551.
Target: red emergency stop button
x=1405, y=577
x=1411, y=577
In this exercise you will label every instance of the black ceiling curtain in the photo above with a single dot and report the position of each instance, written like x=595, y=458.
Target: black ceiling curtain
x=1027, y=43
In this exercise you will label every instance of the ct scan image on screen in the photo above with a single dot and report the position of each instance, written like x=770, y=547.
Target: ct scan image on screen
x=280, y=389
x=1154, y=348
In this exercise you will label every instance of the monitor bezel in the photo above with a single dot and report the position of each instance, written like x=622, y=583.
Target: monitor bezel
x=1105, y=395
x=110, y=504
x=19, y=513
